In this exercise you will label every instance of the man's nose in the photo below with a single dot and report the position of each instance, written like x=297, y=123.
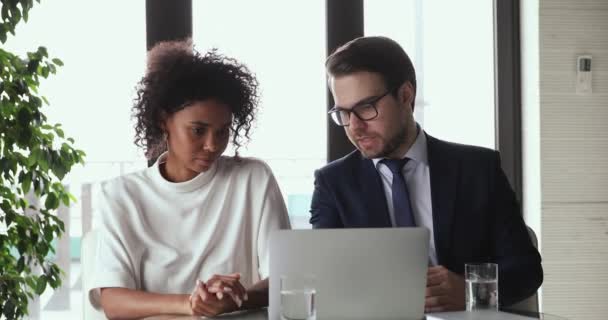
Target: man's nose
x=355, y=123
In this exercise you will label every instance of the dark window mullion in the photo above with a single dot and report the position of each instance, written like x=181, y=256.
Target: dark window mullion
x=344, y=22
x=508, y=90
x=168, y=20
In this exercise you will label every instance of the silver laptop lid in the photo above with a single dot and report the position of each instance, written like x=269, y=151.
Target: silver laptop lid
x=360, y=273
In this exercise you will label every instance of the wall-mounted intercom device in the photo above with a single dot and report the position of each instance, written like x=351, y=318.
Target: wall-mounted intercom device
x=583, y=75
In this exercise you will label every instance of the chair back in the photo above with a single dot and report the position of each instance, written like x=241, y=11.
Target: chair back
x=530, y=303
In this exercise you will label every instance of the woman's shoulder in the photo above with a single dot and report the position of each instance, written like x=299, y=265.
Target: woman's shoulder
x=128, y=178
x=245, y=166
x=116, y=197
x=117, y=187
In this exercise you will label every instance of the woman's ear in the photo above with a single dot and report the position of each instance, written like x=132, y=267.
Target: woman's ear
x=163, y=123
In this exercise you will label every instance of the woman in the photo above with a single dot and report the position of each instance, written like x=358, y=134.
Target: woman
x=189, y=235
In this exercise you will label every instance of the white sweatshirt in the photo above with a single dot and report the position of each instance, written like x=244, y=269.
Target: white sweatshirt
x=159, y=236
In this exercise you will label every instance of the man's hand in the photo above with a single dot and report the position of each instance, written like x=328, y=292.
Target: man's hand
x=204, y=303
x=444, y=290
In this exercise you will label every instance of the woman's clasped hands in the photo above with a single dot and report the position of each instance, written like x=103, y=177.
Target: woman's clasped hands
x=220, y=294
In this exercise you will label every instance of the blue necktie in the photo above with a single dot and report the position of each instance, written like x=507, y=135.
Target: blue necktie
x=404, y=217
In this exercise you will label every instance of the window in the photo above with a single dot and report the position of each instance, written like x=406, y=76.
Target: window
x=452, y=47
x=285, y=48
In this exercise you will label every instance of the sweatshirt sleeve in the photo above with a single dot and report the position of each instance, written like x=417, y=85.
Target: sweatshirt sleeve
x=112, y=263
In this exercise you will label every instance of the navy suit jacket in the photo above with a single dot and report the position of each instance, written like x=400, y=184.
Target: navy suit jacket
x=476, y=217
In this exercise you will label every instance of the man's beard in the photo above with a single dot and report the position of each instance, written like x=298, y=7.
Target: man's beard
x=393, y=144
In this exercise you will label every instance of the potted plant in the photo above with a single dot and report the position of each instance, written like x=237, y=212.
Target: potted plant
x=35, y=156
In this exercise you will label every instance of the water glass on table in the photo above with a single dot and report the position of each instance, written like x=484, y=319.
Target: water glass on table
x=298, y=297
x=481, y=286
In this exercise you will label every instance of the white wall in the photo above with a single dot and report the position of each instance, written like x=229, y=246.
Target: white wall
x=566, y=152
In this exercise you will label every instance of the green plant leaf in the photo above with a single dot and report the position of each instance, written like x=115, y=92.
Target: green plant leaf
x=36, y=184
x=22, y=203
x=33, y=157
x=27, y=182
x=9, y=309
x=65, y=198
x=24, y=117
x=29, y=280
x=29, y=159
x=21, y=264
x=9, y=219
x=25, y=15
x=5, y=13
x=43, y=163
x=58, y=62
x=48, y=234
x=55, y=281
x=44, y=71
x=59, y=169
x=41, y=285
x=51, y=201
x=32, y=66
x=16, y=14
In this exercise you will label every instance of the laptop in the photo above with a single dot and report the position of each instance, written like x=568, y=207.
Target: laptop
x=374, y=273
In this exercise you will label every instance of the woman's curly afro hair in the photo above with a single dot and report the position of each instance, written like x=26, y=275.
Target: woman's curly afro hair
x=178, y=76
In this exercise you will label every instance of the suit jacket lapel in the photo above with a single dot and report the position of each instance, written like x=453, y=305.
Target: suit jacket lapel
x=373, y=195
x=444, y=179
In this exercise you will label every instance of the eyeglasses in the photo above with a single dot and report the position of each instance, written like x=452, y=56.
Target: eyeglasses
x=365, y=111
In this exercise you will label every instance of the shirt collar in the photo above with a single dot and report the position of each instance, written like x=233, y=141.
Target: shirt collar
x=417, y=152
x=187, y=186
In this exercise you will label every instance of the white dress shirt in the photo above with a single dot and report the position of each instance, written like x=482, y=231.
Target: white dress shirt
x=418, y=180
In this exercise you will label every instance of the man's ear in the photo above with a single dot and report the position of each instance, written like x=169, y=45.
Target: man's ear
x=330, y=85
x=407, y=94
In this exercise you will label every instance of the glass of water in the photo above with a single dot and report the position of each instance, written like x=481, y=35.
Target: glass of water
x=481, y=286
x=298, y=297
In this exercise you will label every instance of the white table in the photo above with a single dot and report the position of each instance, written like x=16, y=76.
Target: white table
x=487, y=315
x=261, y=314
x=460, y=315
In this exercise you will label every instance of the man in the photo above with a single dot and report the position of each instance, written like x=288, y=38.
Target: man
x=458, y=192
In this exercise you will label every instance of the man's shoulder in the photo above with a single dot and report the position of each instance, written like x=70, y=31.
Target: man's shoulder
x=465, y=152
x=342, y=165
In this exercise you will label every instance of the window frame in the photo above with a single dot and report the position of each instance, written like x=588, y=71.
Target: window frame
x=169, y=20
